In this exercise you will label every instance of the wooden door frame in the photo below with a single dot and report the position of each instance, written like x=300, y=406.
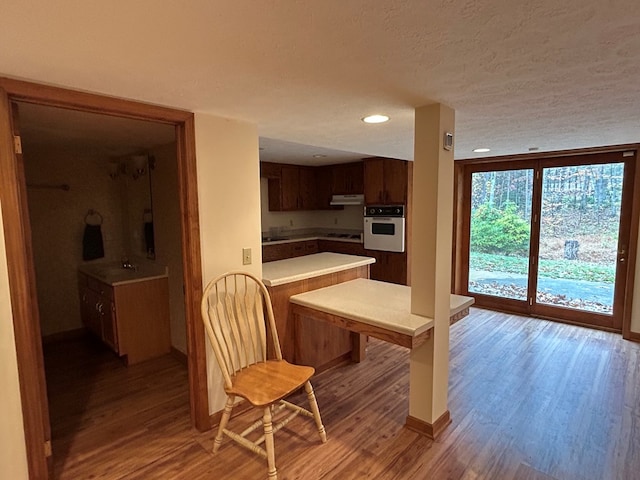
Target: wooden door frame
x=21, y=268
x=460, y=254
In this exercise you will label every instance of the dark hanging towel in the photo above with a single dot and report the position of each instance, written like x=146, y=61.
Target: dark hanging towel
x=92, y=246
x=148, y=238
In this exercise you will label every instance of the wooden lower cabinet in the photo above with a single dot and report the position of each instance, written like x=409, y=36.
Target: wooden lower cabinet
x=313, y=342
x=132, y=319
x=389, y=267
x=280, y=251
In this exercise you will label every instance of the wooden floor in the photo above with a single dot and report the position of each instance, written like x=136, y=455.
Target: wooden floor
x=530, y=400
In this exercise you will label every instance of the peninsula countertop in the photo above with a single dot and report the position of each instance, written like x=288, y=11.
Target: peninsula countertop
x=380, y=304
x=300, y=268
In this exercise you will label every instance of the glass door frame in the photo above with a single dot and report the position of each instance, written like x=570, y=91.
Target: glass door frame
x=627, y=240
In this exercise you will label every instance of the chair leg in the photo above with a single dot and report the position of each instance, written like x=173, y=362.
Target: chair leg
x=268, y=442
x=316, y=411
x=226, y=414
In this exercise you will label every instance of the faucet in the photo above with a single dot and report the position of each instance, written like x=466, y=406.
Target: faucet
x=128, y=265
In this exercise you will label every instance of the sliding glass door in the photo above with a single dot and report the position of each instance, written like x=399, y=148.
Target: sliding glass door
x=500, y=233
x=550, y=237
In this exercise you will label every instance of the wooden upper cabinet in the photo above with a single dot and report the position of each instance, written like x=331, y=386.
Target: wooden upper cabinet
x=270, y=170
x=290, y=188
x=323, y=177
x=385, y=181
x=347, y=178
x=307, y=190
x=297, y=187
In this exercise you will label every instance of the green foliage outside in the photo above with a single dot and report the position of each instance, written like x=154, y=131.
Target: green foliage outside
x=566, y=269
x=499, y=230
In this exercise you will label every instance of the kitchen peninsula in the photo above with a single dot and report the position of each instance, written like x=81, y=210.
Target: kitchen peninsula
x=383, y=310
x=306, y=341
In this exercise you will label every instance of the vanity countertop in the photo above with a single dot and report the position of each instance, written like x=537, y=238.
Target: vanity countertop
x=112, y=273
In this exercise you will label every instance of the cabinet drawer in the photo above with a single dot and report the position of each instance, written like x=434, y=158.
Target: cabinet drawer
x=102, y=289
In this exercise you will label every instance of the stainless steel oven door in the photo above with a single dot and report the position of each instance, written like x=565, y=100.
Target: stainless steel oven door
x=384, y=233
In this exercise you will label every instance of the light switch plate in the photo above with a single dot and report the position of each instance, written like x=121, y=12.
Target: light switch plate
x=246, y=256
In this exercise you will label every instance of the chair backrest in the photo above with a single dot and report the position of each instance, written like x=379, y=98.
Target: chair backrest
x=233, y=311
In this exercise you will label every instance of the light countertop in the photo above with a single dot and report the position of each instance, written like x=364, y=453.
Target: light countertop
x=381, y=304
x=113, y=274
x=300, y=268
x=310, y=237
x=301, y=235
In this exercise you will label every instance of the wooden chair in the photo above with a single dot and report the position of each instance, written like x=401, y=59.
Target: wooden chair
x=233, y=311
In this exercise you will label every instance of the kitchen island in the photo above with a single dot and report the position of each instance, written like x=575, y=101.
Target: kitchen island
x=306, y=341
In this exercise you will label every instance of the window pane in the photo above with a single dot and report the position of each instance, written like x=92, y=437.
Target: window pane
x=580, y=221
x=500, y=233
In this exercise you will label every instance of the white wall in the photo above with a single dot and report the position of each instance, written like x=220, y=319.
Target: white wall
x=351, y=218
x=13, y=455
x=229, y=205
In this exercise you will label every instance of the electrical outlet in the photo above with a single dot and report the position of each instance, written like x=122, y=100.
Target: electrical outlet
x=246, y=256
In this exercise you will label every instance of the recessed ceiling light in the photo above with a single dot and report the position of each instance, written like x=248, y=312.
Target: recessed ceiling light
x=319, y=155
x=375, y=119
x=481, y=150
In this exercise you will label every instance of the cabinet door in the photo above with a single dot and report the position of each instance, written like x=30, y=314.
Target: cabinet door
x=347, y=178
x=290, y=187
x=271, y=253
x=310, y=247
x=107, y=313
x=389, y=267
x=308, y=199
x=395, y=182
x=298, y=249
x=89, y=301
x=374, y=181
x=355, y=177
x=348, y=248
x=324, y=188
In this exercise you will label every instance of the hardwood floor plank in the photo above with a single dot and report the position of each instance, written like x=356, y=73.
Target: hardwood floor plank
x=529, y=399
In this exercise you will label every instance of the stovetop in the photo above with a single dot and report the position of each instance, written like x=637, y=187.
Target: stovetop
x=344, y=235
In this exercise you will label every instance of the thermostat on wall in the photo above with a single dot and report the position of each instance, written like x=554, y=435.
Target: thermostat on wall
x=447, y=141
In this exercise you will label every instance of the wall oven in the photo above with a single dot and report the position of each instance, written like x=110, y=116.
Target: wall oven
x=384, y=227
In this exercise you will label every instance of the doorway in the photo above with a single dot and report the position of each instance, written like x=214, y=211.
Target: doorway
x=19, y=250
x=550, y=237
x=91, y=172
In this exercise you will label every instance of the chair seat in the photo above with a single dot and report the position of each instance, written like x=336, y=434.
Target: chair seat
x=267, y=382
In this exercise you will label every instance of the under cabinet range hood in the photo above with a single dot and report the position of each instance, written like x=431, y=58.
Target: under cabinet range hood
x=354, y=199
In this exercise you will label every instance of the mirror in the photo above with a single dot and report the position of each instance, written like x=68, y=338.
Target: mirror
x=134, y=173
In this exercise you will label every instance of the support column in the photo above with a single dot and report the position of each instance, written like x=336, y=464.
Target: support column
x=432, y=221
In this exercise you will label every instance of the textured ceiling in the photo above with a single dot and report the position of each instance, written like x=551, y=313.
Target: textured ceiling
x=547, y=74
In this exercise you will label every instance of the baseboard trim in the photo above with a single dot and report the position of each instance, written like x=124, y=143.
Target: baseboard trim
x=180, y=356
x=634, y=337
x=429, y=430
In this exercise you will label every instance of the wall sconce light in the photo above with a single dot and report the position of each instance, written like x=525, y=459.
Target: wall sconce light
x=114, y=170
x=139, y=165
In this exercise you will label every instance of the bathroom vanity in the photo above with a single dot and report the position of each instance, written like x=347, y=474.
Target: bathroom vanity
x=128, y=309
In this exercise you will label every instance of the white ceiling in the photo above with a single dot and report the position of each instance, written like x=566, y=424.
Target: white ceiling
x=547, y=74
